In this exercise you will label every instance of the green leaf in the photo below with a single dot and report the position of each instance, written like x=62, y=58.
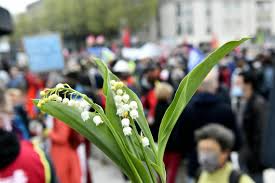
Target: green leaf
x=186, y=90
x=141, y=169
x=99, y=135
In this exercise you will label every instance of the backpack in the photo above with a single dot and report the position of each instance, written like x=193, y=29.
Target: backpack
x=234, y=176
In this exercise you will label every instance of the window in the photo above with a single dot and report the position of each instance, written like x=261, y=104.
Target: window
x=208, y=29
x=178, y=6
x=189, y=28
x=179, y=29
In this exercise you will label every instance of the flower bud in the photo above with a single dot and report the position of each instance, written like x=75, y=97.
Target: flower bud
x=112, y=82
x=42, y=93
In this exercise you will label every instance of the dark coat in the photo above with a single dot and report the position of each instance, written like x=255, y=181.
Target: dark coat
x=204, y=108
x=254, y=121
x=174, y=142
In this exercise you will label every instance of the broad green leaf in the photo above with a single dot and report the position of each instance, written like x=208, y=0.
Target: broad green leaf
x=186, y=90
x=99, y=135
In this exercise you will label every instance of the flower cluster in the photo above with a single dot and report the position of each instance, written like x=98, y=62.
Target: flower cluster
x=125, y=107
x=82, y=105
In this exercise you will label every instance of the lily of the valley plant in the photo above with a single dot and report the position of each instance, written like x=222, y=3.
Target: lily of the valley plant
x=121, y=131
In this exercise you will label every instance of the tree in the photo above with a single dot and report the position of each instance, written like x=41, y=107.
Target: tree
x=78, y=18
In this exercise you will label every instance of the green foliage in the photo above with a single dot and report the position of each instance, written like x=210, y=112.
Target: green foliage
x=141, y=163
x=82, y=17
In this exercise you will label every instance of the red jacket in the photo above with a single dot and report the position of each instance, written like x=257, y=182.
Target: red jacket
x=30, y=166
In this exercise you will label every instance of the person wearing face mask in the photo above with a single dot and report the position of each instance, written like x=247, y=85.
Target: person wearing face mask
x=214, y=144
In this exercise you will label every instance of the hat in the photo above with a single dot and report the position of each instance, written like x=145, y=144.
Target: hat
x=121, y=67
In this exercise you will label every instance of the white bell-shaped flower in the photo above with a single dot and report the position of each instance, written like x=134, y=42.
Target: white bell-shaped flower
x=60, y=85
x=125, y=107
x=133, y=105
x=134, y=114
x=127, y=131
x=112, y=82
x=97, y=120
x=145, y=141
x=85, y=115
x=118, y=99
x=125, y=122
x=59, y=99
x=119, y=111
x=53, y=97
x=84, y=105
x=71, y=103
x=65, y=101
x=119, y=92
x=125, y=98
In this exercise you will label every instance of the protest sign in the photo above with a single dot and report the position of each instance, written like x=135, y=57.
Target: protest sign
x=44, y=52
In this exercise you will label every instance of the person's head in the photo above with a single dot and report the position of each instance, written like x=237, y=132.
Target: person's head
x=248, y=83
x=214, y=144
x=15, y=96
x=164, y=91
x=121, y=69
x=210, y=84
x=153, y=71
x=14, y=72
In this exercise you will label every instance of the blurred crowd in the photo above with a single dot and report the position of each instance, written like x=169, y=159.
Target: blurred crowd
x=230, y=108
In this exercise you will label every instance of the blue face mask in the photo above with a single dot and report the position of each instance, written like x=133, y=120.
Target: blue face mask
x=236, y=91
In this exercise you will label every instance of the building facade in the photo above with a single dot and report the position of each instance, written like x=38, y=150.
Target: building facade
x=204, y=20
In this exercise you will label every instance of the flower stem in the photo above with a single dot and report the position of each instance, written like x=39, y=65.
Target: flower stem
x=144, y=154
x=134, y=148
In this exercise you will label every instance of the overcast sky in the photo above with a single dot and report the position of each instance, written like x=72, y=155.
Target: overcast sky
x=15, y=6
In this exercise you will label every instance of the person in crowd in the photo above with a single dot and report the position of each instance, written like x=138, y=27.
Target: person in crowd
x=267, y=72
x=4, y=78
x=148, y=81
x=64, y=143
x=205, y=107
x=34, y=84
x=20, y=160
x=253, y=125
x=20, y=121
x=214, y=144
x=17, y=79
x=122, y=70
x=172, y=156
